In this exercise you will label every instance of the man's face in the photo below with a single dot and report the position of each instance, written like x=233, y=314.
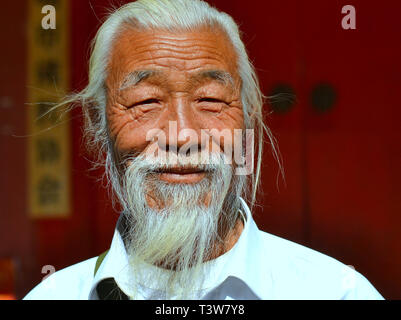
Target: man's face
x=155, y=77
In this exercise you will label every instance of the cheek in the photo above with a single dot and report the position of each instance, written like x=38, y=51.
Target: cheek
x=222, y=128
x=130, y=133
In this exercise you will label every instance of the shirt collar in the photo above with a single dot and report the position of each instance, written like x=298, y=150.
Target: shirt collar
x=239, y=262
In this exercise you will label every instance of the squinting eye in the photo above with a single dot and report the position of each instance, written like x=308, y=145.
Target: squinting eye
x=147, y=101
x=210, y=100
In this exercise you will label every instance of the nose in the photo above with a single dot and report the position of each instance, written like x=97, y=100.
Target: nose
x=182, y=130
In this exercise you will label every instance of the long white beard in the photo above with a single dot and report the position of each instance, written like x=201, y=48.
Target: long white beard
x=182, y=234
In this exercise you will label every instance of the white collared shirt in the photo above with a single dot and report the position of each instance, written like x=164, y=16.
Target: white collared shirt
x=259, y=266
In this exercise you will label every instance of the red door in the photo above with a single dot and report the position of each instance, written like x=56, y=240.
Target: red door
x=353, y=149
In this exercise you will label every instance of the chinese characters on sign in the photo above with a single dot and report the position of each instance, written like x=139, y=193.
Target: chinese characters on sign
x=48, y=130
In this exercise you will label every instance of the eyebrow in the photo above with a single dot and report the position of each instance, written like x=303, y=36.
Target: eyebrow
x=135, y=77
x=222, y=76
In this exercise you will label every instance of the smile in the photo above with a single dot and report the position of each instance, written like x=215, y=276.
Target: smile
x=181, y=175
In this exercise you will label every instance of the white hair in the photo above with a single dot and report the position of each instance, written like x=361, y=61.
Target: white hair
x=169, y=15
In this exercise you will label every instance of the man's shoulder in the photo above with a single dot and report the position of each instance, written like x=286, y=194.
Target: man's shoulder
x=71, y=283
x=308, y=274
x=299, y=254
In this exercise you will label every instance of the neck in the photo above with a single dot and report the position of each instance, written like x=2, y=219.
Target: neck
x=229, y=241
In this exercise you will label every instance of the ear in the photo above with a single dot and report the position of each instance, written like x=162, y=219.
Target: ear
x=91, y=114
x=91, y=128
x=92, y=109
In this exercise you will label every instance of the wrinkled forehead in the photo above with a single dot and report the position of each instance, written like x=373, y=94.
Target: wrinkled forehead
x=187, y=52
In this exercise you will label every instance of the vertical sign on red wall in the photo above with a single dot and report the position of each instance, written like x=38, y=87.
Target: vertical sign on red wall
x=49, y=132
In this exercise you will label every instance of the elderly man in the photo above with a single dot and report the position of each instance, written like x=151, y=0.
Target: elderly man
x=170, y=91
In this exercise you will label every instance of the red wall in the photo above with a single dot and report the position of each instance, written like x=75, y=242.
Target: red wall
x=343, y=177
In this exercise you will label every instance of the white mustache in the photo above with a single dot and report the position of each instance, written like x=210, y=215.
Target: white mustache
x=178, y=162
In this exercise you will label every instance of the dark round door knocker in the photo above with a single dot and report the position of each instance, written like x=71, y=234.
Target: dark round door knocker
x=323, y=97
x=282, y=98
